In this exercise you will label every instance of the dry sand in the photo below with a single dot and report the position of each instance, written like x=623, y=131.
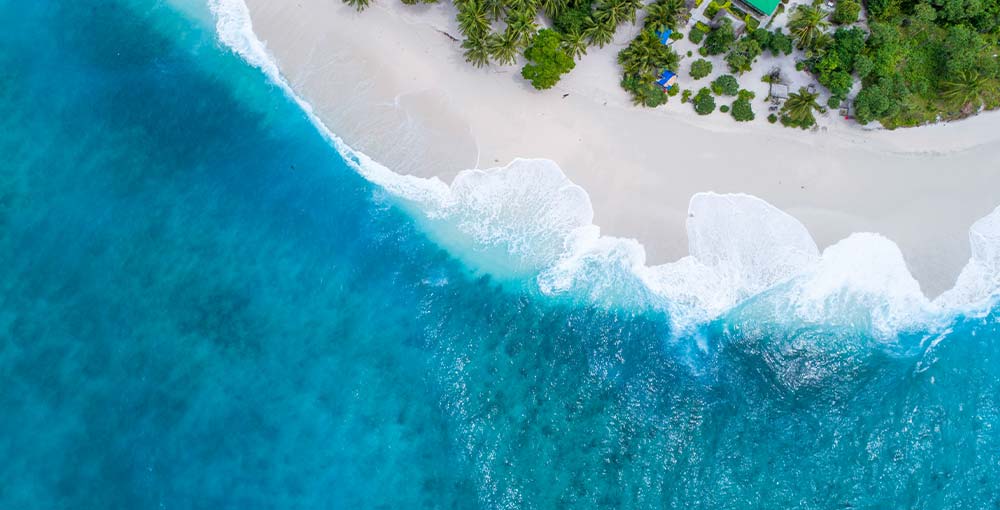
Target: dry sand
x=394, y=86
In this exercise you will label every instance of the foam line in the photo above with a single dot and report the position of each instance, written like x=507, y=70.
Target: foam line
x=529, y=221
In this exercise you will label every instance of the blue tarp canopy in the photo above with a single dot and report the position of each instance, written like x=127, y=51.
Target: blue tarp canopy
x=667, y=79
x=665, y=36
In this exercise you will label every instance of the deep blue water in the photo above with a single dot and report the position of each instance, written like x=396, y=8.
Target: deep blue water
x=203, y=306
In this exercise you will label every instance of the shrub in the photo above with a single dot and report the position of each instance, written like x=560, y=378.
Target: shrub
x=742, y=111
x=779, y=43
x=702, y=27
x=700, y=68
x=743, y=55
x=772, y=118
x=644, y=92
x=689, y=53
x=676, y=36
x=696, y=36
x=721, y=38
x=674, y=91
x=712, y=10
x=547, y=61
x=725, y=85
x=574, y=18
x=846, y=12
x=704, y=102
x=702, y=51
x=724, y=109
x=746, y=94
x=686, y=96
x=833, y=102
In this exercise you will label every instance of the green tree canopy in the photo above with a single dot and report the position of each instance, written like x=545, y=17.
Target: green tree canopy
x=547, y=60
x=721, y=38
x=846, y=12
x=806, y=25
x=743, y=55
x=700, y=68
x=646, y=56
x=704, y=102
x=798, y=109
x=742, y=111
x=726, y=85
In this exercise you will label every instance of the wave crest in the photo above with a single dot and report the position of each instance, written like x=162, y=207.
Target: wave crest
x=529, y=221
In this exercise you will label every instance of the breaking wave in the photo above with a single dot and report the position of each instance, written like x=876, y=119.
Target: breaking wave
x=528, y=222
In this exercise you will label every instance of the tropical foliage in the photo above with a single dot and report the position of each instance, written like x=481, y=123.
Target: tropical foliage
x=927, y=60
x=476, y=50
x=700, y=68
x=359, y=5
x=664, y=14
x=720, y=39
x=744, y=53
x=798, y=109
x=704, y=102
x=642, y=62
x=776, y=42
x=742, y=111
x=807, y=24
x=725, y=85
x=846, y=12
x=547, y=60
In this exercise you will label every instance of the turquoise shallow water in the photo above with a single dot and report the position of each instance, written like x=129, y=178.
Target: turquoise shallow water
x=203, y=306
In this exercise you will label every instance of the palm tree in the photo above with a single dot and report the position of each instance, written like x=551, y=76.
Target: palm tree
x=358, y=5
x=554, y=8
x=522, y=5
x=629, y=9
x=599, y=33
x=522, y=24
x=472, y=19
x=966, y=90
x=495, y=9
x=645, y=56
x=503, y=47
x=799, y=106
x=476, y=52
x=608, y=13
x=665, y=14
x=806, y=24
x=574, y=43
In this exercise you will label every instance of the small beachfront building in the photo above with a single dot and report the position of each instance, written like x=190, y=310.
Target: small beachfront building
x=667, y=80
x=664, y=36
x=778, y=91
x=763, y=8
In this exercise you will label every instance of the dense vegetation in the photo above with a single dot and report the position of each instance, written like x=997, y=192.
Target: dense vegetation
x=547, y=60
x=700, y=68
x=928, y=59
x=704, y=101
x=741, y=110
x=918, y=61
x=645, y=58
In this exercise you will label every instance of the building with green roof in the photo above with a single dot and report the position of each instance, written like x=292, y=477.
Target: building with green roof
x=765, y=7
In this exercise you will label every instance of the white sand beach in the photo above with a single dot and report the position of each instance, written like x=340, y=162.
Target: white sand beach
x=393, y=85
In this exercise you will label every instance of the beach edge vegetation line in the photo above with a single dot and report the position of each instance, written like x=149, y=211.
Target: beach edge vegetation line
x=917, y=61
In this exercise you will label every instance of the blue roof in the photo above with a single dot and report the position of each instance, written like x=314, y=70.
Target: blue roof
x=665, y=78
x=665, y=36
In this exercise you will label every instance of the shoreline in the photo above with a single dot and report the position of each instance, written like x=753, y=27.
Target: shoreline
x=394, y=87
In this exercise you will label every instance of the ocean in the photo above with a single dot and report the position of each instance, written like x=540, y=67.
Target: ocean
x=207, y=300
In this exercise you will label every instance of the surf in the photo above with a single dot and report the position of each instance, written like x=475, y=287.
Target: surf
x=528, y=224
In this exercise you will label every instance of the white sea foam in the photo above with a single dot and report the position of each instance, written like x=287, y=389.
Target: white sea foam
x=529, y=219
x=861, y=280
x=979, y=282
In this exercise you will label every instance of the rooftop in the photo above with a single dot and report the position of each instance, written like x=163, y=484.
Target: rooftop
x=765, y=7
